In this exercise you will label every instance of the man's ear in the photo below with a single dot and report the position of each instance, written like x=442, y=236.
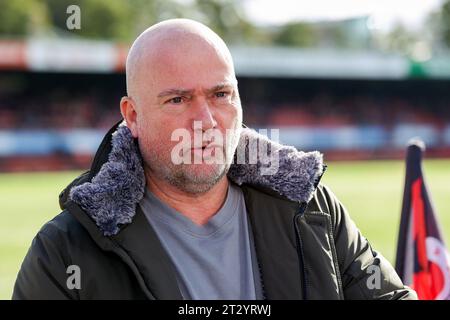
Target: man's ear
x=129, y=113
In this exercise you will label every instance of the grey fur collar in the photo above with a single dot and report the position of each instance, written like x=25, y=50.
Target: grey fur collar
x=110, y=199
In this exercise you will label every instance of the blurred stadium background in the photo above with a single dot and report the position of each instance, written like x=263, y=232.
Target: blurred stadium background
x=354, y=87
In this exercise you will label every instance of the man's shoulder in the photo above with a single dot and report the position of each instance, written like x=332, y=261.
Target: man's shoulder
x=63, y=228
x=324, y=200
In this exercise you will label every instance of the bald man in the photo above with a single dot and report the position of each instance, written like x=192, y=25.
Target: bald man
x=180, y=202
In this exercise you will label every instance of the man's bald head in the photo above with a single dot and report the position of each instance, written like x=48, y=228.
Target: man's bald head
x=170, y=37
x=180, y=74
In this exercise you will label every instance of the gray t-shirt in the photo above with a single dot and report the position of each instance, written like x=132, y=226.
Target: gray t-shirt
x=214, y=261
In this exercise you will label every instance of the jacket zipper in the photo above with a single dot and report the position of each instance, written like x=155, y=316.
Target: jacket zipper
x=301, y=257
x=300, y=254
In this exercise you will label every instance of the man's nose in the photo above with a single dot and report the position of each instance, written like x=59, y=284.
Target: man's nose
x=204, y=114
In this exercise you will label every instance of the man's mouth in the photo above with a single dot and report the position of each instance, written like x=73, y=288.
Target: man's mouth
x=206, y=151
x=207, y=146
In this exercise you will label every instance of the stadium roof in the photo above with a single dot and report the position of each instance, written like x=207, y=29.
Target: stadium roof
x=50, y=55
x=309, y=63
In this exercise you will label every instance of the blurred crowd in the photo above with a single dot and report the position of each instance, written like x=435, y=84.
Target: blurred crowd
x=58, y=110
x=326, y=110
x=62, y=110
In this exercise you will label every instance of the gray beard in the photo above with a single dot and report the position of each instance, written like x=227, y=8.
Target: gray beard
x=184, y=179
x=194, y=184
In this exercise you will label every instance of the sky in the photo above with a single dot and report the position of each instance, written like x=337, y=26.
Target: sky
x=384, y=13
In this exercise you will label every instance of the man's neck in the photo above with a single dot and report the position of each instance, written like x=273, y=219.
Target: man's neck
x=199, y=208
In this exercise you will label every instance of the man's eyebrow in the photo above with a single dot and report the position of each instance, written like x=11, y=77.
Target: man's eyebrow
x=183, y=92
x=221, y=86
x=174, y=92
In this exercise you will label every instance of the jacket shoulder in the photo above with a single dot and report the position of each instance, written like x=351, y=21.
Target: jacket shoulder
x=63, y=225
x=355, y=254
x=43, y=271
x=325, y=201
x=60, y=243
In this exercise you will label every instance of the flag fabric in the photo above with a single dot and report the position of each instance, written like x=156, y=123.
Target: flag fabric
x=422, y=262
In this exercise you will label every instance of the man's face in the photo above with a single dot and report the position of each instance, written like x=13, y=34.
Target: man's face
x=180, y=86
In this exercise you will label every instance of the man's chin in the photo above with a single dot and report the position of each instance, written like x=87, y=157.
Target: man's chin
x=204, y=171
x=199, y=178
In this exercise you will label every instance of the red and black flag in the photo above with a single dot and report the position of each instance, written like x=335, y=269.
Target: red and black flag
x=423, y=263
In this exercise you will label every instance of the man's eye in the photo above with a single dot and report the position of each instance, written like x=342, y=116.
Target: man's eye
x=222, y=94
x=176, y=100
